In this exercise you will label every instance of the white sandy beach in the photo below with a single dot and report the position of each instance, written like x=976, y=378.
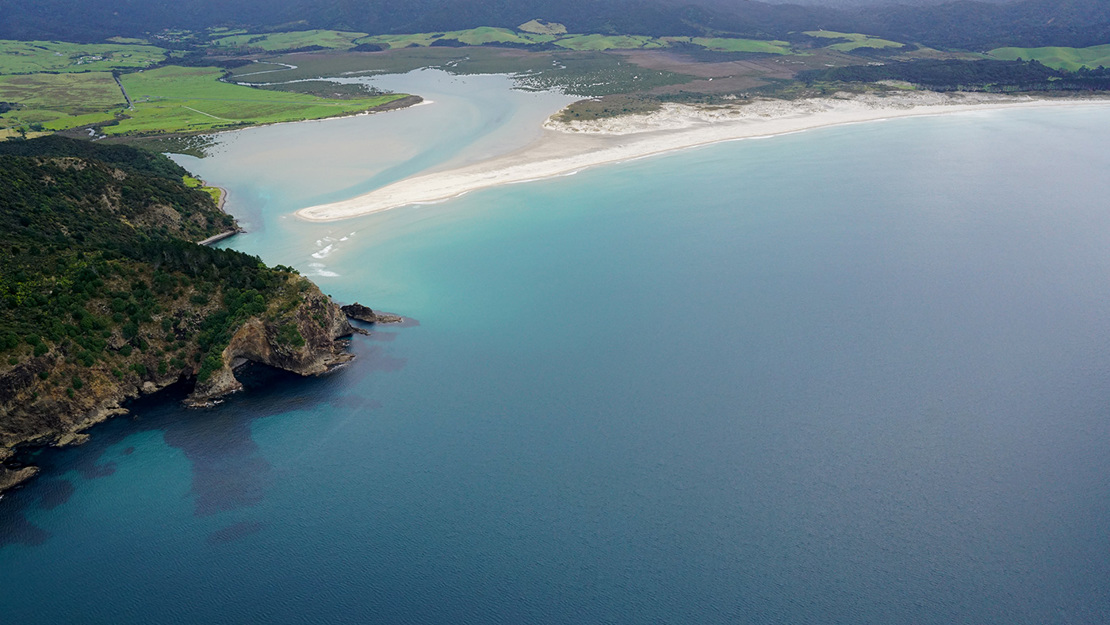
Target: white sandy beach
x=569, y=147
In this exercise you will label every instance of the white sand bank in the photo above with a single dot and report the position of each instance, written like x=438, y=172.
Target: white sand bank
x=569, y=147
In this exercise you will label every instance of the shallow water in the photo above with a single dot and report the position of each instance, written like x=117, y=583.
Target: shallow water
x=851, y=375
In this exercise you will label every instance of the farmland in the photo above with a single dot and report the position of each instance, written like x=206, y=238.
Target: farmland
x=1070, y=59
x=270, y=42
x=555, y=35
x=608, y=42
x=51, y=86
x=59, y=101
x=29, y=57
x=854, y=40
x=192, y=99
x=724, y=44
x=472, y=37
x=169, y=99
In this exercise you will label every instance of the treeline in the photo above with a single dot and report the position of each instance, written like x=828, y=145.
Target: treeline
x=985, y=75
x=139, y=161
x=959, y=24
x=981, y=26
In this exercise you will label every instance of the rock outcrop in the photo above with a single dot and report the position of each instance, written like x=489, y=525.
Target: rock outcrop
x=305, y=338
x=314, y=347
x=362, y=313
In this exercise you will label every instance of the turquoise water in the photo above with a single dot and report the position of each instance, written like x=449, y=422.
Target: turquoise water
x=856, y=375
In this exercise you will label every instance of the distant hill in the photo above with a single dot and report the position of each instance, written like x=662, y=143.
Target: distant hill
x=960, y=24
x=978, y=26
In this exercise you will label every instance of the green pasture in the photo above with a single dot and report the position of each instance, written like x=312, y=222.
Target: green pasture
x=473, y=37
x=169, y=99
x=1069, y=59
x=535, y=32
x=196, y=183
x=485, y=34
x=725, y=44
x=543, y=28
x=128, y=40
x=29, y=57
x=855, y=40
x=191, y=99
x=59, y=101
x=272, y=42
x=74, y=94
x=608, y=42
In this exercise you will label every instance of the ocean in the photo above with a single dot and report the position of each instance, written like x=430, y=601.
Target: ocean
x=853, y=375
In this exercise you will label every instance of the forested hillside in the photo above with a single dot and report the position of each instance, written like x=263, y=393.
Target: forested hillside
x=989, y=76
x=104, y=293
x=960, y=24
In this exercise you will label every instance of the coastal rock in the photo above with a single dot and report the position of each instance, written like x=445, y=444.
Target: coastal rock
x=304, y=341
x=32, y=413
x=108, y=326
x=14, y=477
x=362, y=313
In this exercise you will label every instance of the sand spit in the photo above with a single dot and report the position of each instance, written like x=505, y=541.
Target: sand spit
x=568, y=147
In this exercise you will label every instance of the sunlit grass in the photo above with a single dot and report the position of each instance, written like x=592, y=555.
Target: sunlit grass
x=28, y=57
x=330, y=39
x=855, y=40
x=1069, y=59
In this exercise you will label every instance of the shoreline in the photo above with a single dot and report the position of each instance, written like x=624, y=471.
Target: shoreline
x=569, y=147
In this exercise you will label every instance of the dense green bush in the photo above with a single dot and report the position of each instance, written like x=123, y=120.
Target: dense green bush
x=986, y=75
x=88, y=253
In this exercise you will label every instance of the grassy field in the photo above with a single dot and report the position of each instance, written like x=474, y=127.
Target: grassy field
x=272, y=42
x=75, y=94
x=1069, y=59
x=855, y=40
x=29, y=57
x=59, y=101
x=608, y=42
x=167, y=100
x=191, y=99
x=723, y=44
x=128, y=40
x=539, y=27
x=473, y=37
x=196, y=183
x=555, y=34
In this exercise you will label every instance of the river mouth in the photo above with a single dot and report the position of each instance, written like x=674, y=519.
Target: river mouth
x=856, y=374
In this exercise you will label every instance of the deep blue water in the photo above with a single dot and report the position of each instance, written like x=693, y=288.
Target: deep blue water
x=856, y=375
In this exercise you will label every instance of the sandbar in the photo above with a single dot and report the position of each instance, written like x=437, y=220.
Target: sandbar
x=568, y=147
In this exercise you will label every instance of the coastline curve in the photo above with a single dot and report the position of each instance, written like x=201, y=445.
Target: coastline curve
x=569, y=147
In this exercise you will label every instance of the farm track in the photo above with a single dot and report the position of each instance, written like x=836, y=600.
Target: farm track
x=130, y=106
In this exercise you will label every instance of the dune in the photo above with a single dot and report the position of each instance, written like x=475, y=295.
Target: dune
x=567, y=147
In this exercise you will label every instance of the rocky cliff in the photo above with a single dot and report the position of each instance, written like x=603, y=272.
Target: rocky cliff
x=104, y=296
x=319, y=323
